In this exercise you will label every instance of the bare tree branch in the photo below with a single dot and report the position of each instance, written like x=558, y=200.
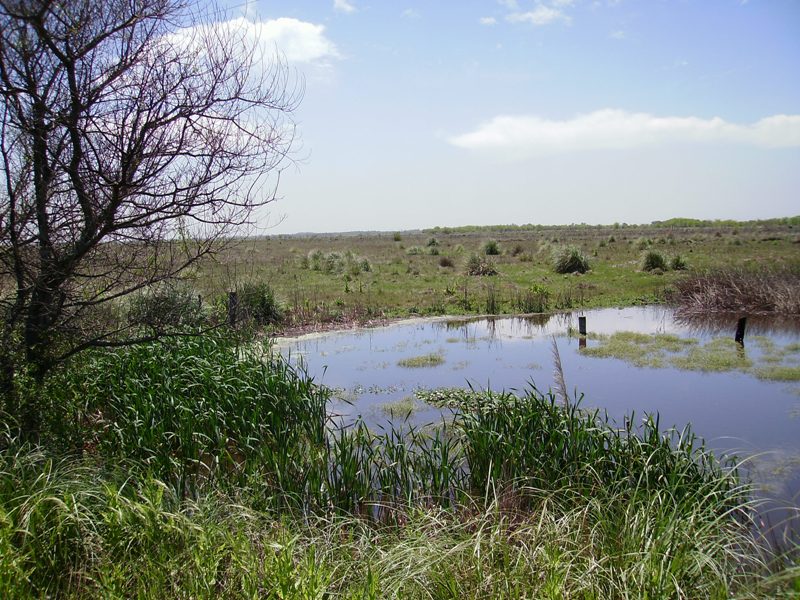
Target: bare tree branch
x=131, y=147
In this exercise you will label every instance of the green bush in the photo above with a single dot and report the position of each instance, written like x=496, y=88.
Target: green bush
x=570, y=259
x=678, y=263
x=257, y=303
x=164, y=307
x=491, y=248
x=654, y=260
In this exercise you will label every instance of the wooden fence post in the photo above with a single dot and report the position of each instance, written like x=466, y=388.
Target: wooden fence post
x=740, y=327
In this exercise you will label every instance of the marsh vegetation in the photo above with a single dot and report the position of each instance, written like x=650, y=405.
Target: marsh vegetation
x=201, y=467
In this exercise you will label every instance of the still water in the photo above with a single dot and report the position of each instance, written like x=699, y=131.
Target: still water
x=735, y=411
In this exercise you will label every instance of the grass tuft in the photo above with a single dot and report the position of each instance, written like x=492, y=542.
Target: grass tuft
x=570, y=259
x=426, y=360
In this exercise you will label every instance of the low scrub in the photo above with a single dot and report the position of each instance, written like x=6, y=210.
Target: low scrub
x=478, y=266
x=739, y=290
x=570, y=259
x=336, y=263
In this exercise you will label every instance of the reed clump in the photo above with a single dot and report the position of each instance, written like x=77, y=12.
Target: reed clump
x=775, y=290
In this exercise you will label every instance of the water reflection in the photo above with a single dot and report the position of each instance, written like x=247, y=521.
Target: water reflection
x=725, y=324
x=734, y=410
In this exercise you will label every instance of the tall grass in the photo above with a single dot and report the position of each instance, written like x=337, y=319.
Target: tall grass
x=70, y=531
x=200, y=408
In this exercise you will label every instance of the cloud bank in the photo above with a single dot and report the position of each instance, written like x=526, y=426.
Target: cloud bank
x=617, y=129
x=541, y=15
x=344, y=6
x=298, y=41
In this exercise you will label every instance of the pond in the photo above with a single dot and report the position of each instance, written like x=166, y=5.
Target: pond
x=741, y=400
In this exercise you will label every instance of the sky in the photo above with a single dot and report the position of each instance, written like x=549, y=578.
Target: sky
x=417, y=114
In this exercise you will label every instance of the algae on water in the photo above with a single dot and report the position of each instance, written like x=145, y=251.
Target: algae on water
x=426, y=360
x=403, y=407
x=640, y=349
x=771, y=361
x=717, y=355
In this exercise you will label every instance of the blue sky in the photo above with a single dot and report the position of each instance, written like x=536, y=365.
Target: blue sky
x=418, y=114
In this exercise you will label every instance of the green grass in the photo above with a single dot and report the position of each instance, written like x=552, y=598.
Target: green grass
x=426, y=360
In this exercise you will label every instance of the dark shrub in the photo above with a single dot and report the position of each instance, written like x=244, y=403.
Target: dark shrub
x=491, y=248
x=169, y=306
x=257, y=303
x=654, y=260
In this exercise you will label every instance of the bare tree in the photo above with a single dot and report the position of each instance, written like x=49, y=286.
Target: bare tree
x=134, y=138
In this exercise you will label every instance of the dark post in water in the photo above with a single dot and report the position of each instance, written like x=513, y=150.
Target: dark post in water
x=740, y=330
x=582, y=325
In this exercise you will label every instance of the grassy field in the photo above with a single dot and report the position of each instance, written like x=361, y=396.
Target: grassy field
x=361, y=276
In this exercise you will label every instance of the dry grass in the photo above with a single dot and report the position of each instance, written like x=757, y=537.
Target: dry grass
x=740, y=290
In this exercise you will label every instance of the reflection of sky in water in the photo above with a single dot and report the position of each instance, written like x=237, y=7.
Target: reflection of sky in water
x=733, y=411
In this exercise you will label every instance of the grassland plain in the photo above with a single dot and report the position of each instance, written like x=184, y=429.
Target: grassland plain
x=338, y=278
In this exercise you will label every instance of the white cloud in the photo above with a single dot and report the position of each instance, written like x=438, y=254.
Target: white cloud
x=487, y=21
x=563, y=2
x=299, y=41
x=617, y=35
x=520, y=136
x=541, y=15
x=509, y=4
x=344, y=6
x=410, y=13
